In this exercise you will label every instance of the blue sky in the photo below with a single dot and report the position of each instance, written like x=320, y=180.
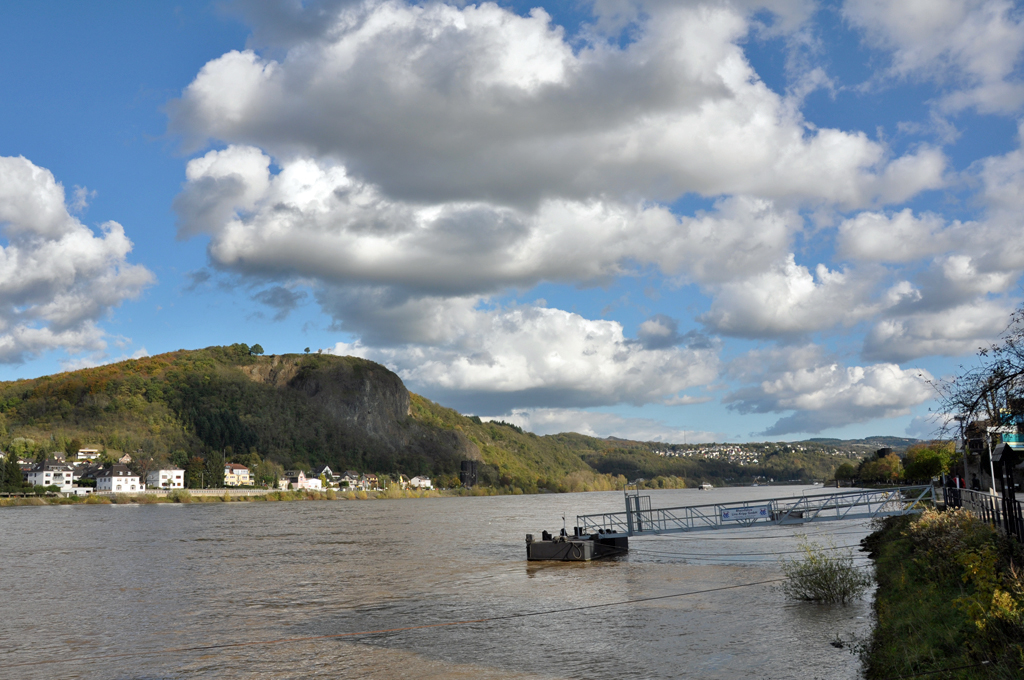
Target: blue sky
x=662, y=220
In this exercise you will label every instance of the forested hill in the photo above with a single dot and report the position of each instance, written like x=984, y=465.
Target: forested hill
x=302, y=410
x=294, y=410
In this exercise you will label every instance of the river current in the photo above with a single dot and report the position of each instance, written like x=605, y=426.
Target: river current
x=128, y=591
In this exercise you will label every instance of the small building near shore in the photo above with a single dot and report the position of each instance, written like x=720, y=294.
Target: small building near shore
x=298, y=480
x=236, y=474
x=166, y=479
x=51, y=473
x=118, y=478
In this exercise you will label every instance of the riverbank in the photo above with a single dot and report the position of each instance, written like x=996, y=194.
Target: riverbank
x=234, y=495
x=950, y=596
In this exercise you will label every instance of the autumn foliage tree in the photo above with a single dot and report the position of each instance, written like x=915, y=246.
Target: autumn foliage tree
x=992, y=390
x=926, y=461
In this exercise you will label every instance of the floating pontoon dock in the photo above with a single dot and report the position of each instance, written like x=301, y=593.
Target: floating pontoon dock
x=608, y=533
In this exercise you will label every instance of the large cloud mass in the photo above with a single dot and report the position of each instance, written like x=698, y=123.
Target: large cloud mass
x=438, y=103
x=57, y=277
x=410, y=164
x=494, y=360
x=314, y=219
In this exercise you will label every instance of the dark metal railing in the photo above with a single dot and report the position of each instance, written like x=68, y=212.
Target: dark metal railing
x=1005, y=514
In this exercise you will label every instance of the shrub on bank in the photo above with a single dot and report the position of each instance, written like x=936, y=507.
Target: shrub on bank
x=823, y=574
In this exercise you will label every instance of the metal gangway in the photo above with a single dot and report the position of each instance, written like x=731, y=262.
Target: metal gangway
x=640, y=519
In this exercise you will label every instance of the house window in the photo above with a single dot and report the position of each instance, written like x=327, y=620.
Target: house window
x=118, y=487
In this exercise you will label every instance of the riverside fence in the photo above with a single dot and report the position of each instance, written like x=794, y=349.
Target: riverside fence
x=1004, y=513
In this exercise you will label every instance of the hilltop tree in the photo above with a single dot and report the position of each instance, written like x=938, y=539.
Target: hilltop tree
x=256, y=349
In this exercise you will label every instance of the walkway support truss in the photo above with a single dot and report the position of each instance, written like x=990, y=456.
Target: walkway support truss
x=639, y=518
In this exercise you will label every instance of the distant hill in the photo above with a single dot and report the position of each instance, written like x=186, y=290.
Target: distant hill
x=873, y=443
x=302, y=410
x=295, y=410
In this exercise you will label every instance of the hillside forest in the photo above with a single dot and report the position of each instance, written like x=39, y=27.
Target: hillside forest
x=198, y=409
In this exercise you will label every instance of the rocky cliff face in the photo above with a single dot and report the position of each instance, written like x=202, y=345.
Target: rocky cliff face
x=364, y=398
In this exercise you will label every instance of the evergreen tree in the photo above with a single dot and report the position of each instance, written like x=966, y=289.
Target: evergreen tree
x=179, y=459
x=215, y=470
x=195, y=470
x=11, y=479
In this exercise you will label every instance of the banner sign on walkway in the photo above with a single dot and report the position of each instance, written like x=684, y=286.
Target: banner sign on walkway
x=750, y=512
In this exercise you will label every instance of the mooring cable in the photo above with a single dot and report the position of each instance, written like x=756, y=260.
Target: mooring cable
x=335, y=636
x=749, y=554
x=702, y=536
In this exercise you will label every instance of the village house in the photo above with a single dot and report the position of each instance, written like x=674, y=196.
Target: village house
x=420, y=483
x=295, y=478
x=88, y=454
x=52, y=472
x=369, y=482
x=349, y=478
x=166, y=479
x=298, y=480
x=118, y=478
x=236, y=475
x=326, y=471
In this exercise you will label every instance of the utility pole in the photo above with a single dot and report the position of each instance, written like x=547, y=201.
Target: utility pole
x=963, y=442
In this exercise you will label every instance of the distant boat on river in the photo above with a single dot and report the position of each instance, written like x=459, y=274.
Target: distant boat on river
x=705, y=487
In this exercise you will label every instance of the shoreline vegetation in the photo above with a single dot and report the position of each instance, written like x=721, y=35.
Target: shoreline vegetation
x=580, y=482
x=950, y=599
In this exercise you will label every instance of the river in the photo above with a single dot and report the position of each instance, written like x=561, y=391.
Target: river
x=111, y=591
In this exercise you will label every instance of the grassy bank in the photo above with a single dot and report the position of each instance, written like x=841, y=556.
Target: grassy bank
x=950, y=596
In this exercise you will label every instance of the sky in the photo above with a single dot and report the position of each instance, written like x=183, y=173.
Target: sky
x=663, y=220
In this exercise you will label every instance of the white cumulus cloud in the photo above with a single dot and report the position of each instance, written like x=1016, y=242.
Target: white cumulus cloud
x=58, y=277
x=972, y=48
x=820, y=393
x=499, y=359
x=790, y=300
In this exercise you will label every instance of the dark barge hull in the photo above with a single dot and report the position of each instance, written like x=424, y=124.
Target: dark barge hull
x=576, y=549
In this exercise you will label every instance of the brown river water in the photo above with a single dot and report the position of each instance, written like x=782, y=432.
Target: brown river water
x=131, y=591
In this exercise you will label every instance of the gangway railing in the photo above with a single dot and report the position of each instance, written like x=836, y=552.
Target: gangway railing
x=640, y=518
